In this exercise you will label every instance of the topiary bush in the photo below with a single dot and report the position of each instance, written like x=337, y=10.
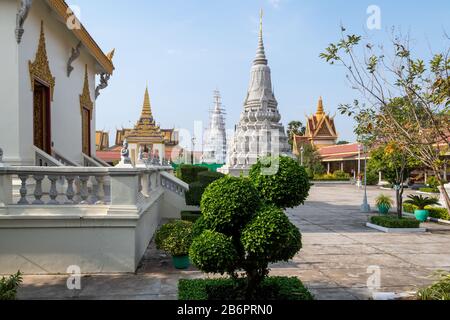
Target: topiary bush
x=175, y=238
x=271, y=236
x=229, y=204
x=236, y=232
x=214, y=252
x=281, y=181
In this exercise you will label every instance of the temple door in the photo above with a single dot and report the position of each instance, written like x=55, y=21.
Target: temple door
x=42, y=117
x=86, y=131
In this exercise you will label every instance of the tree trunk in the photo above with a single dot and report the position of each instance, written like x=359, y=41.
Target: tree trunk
x=446, y=196
x=399, y=200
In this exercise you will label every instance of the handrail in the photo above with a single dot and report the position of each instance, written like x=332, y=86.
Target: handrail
x=175, y=180
x=64, y=160
x=43, y=159
x=90, y=162
x=103, y=163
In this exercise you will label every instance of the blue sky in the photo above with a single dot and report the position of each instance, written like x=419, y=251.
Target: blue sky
x=184, y=49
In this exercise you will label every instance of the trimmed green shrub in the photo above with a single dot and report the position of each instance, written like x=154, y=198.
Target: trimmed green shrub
x=175, y=238
x=272, y=288
x=341, y=175
x=198, y=227
x=209, y=177
x=437, y=213
x=440, y=290
x=191, y=216
x=213, y=252
x=281, y=181
x=395, y=222
x=9, y=286
x=271, y=237
x=195, y=193
x=229, y=204
x=189, y=173
x=429, y=190
x=239, y=233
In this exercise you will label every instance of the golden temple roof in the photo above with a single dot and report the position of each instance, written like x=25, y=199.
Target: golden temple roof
x=146, y=130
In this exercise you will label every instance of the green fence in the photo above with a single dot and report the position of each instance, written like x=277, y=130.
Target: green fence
x=211, y=166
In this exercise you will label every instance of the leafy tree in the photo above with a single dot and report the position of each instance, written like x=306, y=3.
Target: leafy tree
x=406, y=100
x=396, y=165
x=295, y=128
x=312, y=161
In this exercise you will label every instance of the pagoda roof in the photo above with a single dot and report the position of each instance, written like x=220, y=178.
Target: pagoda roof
x=146, y=130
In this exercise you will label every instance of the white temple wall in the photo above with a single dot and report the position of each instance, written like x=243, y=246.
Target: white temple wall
x=9, y=79
x=65, y=107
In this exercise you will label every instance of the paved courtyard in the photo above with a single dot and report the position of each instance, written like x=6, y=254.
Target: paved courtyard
x=336, y=261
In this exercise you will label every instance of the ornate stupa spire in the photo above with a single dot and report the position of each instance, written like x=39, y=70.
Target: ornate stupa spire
x=146, y=107
x=320, y=110
x=146, y=128
x=259, y=132
x=260, y=53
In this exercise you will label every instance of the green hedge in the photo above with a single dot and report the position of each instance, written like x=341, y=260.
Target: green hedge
x=189, y=173
x=437, y=213
x=209, y=177
x=272, y=288
x=395, y=222
x=191, y=216
x=194, y=195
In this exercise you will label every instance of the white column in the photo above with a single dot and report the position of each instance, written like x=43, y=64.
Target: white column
x=329, y=168
x=380, y=179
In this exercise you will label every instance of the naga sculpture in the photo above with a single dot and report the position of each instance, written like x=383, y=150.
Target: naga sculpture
x=75, y=54
x=104, y=78
x=22, y=15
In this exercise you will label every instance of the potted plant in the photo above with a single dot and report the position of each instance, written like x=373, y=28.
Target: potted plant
x=420, y=203
x=175, y=238
x=384, y=204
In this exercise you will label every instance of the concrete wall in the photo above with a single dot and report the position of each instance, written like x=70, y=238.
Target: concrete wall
x=16, y=130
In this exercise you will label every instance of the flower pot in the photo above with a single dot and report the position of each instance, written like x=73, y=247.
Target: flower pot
x=421, y=215
x=383, y=209
x=181, y=262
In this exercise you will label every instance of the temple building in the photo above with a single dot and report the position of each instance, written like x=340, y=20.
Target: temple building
x=320, y=130
x=101, y=140
x=259, y=132
x=49, y=91
x=145, y=140
x=215, y=138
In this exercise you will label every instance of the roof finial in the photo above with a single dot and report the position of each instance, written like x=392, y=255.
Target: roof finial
x=320, y=109
x=260, y=53
x=146, y=108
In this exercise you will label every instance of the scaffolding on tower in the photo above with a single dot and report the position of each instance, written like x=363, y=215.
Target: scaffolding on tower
x=215, y=138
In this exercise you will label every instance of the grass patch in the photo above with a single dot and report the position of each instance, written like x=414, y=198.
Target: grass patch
x=394, y=222
x=438, y=291
x=429, y=190
x=191, y=216
x=272, y=288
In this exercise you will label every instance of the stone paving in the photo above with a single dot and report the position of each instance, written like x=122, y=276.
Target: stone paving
x=337, y=251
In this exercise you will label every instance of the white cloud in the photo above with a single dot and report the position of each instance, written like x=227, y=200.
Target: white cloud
x=275, y=3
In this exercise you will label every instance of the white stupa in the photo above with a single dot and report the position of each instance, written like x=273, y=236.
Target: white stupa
x=259, y=132
x=215, y=138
